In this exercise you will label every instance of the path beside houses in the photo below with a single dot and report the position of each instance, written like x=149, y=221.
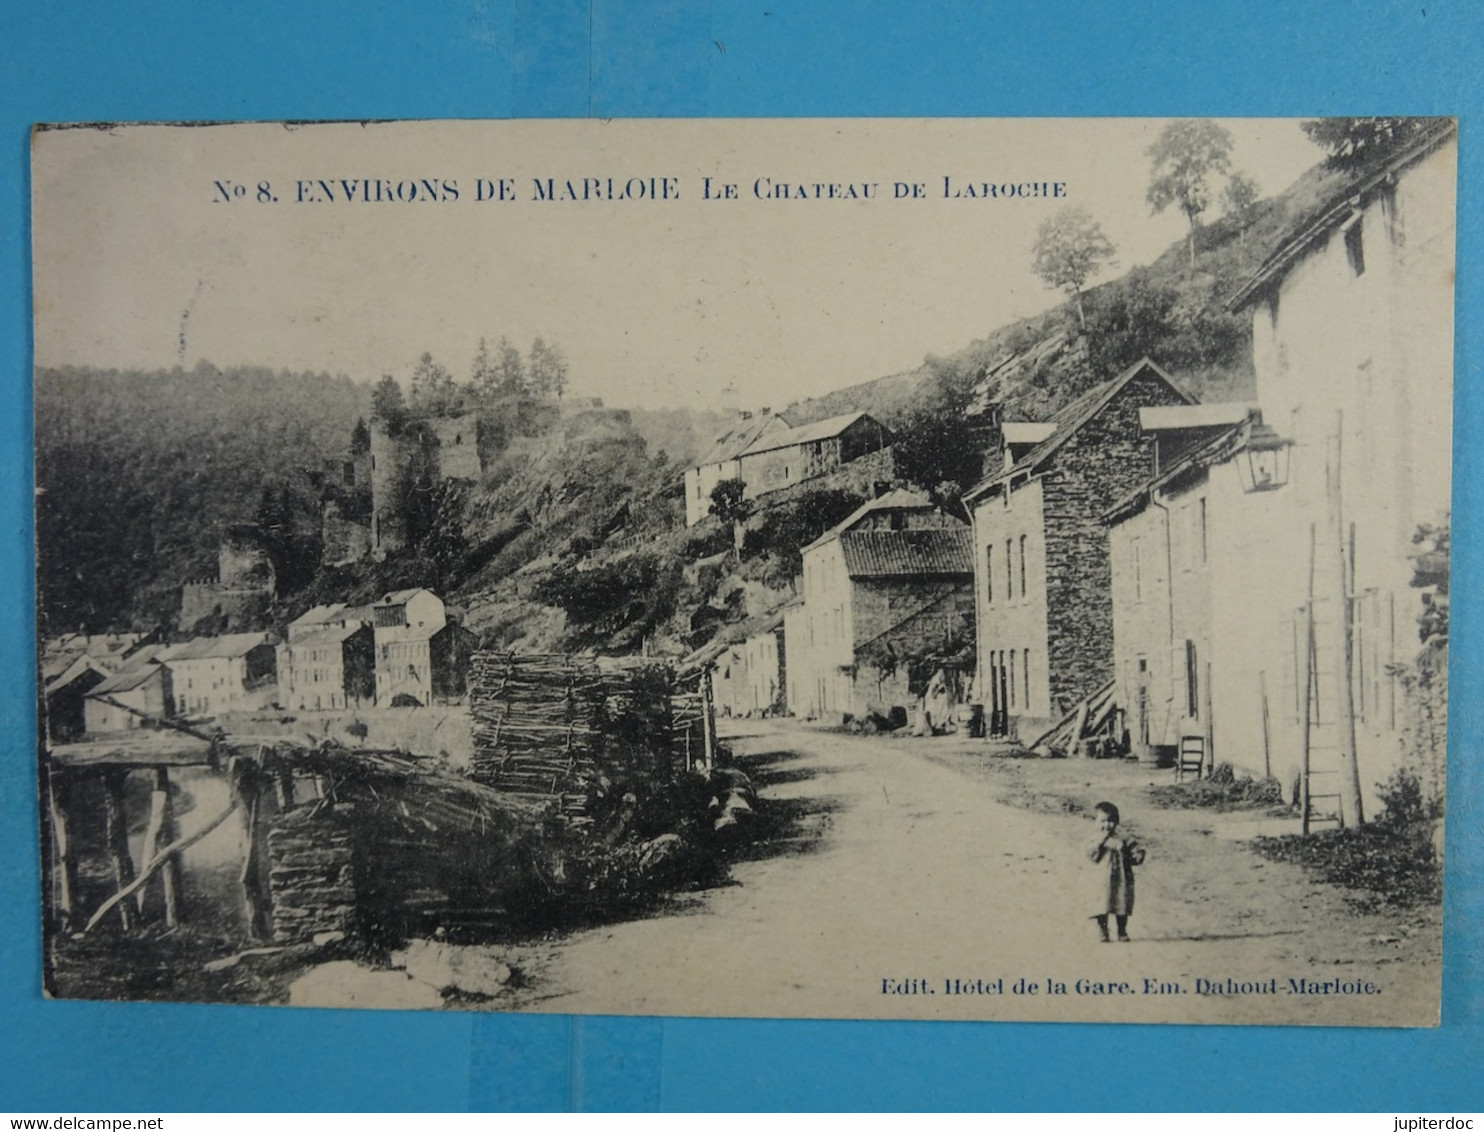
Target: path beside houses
x=900, y=861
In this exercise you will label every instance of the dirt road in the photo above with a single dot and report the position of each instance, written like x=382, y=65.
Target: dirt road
x=900, y=871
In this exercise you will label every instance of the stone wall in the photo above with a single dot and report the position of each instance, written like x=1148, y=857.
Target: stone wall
x=1106, y=459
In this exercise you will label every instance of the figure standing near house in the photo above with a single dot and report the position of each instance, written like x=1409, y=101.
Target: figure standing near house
x=1114, y=857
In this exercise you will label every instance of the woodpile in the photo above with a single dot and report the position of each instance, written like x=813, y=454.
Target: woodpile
x=573, y=728
x=1091, y=719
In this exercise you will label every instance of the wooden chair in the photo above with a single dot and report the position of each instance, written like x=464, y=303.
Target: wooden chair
x=1191, y=758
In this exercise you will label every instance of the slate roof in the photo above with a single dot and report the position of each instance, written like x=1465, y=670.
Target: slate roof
x=402, y=597
x=213, y=648
x=127, y=680
x=809, y=433
x=320, y=614
x=334, y=635
x=1071, y=417
x=732, y=443
x=933, y=553
x=1337, y=210
x=898, y=499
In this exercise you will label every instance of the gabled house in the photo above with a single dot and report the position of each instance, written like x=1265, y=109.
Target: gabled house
x=720, y=462
x=777, y=460
x=767, y=455
x=141, y=684
x=213, y=675
x=1171, y=548
x=421, y=655
x=65, y=694
x=328, y=662
x=1292, y=611
x=886, y=594
x=1044, y=611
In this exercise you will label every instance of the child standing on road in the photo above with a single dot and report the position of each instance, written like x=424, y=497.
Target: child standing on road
x=1115, y=858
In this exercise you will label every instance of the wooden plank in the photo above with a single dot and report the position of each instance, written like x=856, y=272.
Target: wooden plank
x=135, y=749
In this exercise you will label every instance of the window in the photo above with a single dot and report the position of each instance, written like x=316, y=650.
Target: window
x=1025, y=674
x=1009, y=570
x=1022, y=565
x=1200, y=518
x=989, y=575
x=1137, y=552
x=1012, y=677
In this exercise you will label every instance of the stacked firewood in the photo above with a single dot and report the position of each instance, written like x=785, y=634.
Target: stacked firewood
x=570, y=727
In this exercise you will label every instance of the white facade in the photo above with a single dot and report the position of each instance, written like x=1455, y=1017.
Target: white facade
x=1353, y=357
x=404, y=624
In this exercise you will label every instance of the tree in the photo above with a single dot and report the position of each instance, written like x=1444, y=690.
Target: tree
x=388, y=405
x=433, y=389
x=547, y=370
x=1240, y=194
x=1070, y=249
x=730, y=505
x=483, y=376
x=511, y=372
x=1182, y=160
x=1355, y=143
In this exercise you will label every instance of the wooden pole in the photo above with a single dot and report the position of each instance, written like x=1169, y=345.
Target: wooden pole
x=1350, y=799
x=1267, y=739
x=1307, y=699
x=64, y=879
x=246, y=787
x=116, y=835
x=1208, y=736
x=159, y=834
x=708, y=721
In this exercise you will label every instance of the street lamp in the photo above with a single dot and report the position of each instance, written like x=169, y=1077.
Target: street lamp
x=1262, y=462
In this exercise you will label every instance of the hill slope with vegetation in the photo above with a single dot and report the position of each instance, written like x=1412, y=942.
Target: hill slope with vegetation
x=574, y=536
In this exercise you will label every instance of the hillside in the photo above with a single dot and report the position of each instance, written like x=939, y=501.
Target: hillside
x=138, y=474
x=573, y=536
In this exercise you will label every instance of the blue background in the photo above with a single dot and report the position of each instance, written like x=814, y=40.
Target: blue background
x=484, y=58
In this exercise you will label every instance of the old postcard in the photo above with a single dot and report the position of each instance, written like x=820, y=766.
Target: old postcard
x=943, y=569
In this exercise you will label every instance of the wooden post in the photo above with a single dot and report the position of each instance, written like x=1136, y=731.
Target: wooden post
x=1267, y=738
x=708, y=721
x=1350, y=803
x=159, y=834
x=1208, y=755
x=283, y=785
x=64, y=873
x=116, y=835
x=247, y=790
x=1307, y=699
x=1074, y=742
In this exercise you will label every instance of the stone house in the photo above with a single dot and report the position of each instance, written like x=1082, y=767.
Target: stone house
x=1310, y=518
x=778, y=460
x=329, y=660
x=1044, y=610
x=421, y=654
x=213, y=675
x=142, y=683
x=885, y=592
x=720, y=462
